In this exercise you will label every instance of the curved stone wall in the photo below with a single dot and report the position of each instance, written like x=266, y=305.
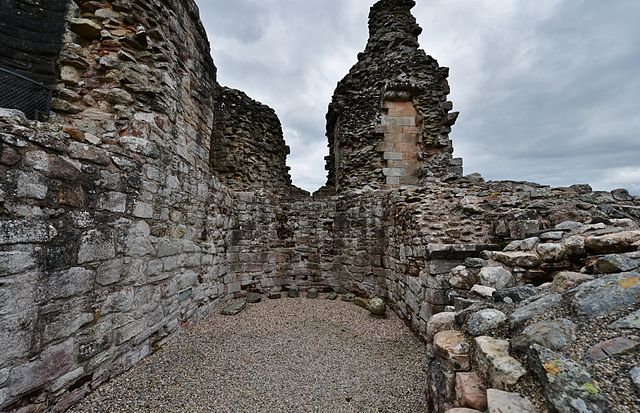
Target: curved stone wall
x=113, y=232
x=248, y=151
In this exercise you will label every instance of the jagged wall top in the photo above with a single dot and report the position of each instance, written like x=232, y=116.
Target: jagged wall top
x=389, y=120
x=391, y=25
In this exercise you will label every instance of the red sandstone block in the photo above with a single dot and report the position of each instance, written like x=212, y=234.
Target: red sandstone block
x=403, y=112
x=411, y=129
x=406, y=147
x=405, y=105
x=410, y=156
x=394, y=129
x=470, y=391
x=407, y=137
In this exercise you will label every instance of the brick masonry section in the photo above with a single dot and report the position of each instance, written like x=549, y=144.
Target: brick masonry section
x=400, y=144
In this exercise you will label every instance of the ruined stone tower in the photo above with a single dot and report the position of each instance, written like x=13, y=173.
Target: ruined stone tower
x=389, y=122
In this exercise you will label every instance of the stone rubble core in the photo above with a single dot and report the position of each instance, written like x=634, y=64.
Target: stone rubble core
x=154, y=196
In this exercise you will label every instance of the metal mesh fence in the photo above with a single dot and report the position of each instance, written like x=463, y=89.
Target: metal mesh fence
x=19, y=92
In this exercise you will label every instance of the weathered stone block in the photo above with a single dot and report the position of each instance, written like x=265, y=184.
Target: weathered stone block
x=110, y=272
x=16, y=334
x=53, y=362
x=452, y=347
x=113, y=201
x=143, y=210
x=64, y=284
x=504, y=402
x=130, y=330
x=14, y=262
x=394, y=172
x=96, y=245
x=66, y=324
x=393, y=156
x=30, y=185
x=89, y=153
x=502, y=370
x=470, y=391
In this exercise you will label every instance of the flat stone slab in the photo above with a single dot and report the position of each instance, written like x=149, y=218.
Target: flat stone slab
x=535, y=308
x=493, y=359
x=632, y=321
x=614, y=347
x=606, y=295
x=555, y=335
x=568, y=386
x=504, y=402
x=234, y=308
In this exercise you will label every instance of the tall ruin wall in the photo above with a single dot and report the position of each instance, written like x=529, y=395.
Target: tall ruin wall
x=389, y=120
x=149, y=200
x=248, y=151
x=113, y=231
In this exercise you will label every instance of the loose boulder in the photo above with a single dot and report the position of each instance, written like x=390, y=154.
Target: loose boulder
x=496, y=277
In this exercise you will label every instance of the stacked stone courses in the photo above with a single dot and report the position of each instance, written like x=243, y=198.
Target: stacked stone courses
x=154, y=195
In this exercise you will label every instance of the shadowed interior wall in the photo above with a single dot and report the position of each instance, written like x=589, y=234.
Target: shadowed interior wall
x=31, y=37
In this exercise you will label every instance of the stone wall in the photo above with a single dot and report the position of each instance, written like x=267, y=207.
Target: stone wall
x=113, y=232
x=149, y=200
x=248, y=149
x=565, y=341
x=369, y=143
x=402, y=244
x=31, y=37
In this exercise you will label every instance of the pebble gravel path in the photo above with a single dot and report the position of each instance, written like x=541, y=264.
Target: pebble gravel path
x=288, y=355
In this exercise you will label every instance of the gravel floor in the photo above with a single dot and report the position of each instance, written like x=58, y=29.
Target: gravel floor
x=288, y=355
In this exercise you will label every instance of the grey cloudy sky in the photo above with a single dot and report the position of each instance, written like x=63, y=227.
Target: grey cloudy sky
x=548, y=90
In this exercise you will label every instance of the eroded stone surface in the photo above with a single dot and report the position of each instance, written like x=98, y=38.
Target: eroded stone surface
x=470, y=391
x=452, y=345
x=504, y=402
x=607, y=294
x=492, y=355
x=555, y=335
x=485, y=321
x=568, y=386
x=534, y=308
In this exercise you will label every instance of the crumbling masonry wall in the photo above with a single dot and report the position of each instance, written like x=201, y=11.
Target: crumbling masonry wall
x=248, y=150
x=389, y=121
x=120, y=223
